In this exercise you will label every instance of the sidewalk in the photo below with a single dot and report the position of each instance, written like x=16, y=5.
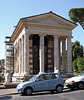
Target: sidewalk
x=2, y=87
x=7, y=91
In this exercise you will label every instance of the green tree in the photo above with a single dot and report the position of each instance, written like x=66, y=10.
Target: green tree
x=77, y=50
x=75, y=68
x=80, y=64
x=77, y=15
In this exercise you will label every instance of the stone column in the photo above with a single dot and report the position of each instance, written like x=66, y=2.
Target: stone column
x=22, y=67
x=20, y=56
x=56, y=54
x=63, y=56
x=17, y=67
x=26, y=53
x=69, y=55
x=41, y=53
x=59, y=54
x=15, y=59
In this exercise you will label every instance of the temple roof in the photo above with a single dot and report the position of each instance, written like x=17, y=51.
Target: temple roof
x=49, y=19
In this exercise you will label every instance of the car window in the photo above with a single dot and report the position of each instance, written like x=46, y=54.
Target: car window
x=43, y=77
x=40, y=78
x=33, y=78
x=80, y=74
x=53, y=76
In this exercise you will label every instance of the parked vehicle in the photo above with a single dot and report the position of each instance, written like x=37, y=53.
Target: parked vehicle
x=76, y=82
x=41, y=82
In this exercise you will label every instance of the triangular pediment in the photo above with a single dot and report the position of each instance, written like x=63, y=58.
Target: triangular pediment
x=50, y=19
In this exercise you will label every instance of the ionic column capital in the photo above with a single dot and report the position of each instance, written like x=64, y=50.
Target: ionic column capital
x=27, y=33
x=42, y=34
x=56, y=36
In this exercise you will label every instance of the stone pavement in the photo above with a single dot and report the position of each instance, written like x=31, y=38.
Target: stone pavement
x=7, y=91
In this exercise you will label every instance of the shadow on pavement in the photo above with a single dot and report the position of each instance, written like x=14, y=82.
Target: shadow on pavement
x=48, y=93
x=8, y=94
x=5, y=97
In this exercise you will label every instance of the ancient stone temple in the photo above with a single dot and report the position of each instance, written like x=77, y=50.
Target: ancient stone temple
x=40, y=44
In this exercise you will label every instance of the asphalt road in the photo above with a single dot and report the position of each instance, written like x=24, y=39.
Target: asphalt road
x=10, y=94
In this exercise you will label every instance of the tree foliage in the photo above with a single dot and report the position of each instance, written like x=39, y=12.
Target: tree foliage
x=78, y=64
x=77, y=15
x=75, y=68
x=77, y=56
x=77, y=50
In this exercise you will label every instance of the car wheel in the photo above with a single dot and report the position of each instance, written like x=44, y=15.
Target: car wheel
x=28, y=91
x=59, y=89
x=80, y=85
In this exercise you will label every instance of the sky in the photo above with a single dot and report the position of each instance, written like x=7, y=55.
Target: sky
x=12, y=10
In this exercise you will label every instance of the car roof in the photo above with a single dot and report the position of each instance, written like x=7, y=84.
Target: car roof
x=48, y=73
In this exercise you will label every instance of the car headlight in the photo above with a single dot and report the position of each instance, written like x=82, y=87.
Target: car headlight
x=20, y=86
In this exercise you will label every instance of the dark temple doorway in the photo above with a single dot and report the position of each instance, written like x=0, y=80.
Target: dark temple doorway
x=46, y=54
x=35, y=54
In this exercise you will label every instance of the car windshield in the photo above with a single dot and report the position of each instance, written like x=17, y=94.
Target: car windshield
x=33, y=78
x=80, y=74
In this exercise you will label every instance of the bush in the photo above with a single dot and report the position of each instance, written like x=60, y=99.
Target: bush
x=75, y=68
x=78, y=64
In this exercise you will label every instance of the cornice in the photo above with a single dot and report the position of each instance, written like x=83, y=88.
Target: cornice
x=48, y=32
x=17, y=31
x=25, y=25
x=47, y=26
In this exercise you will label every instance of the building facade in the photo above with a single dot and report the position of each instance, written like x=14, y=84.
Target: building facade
x=40, y=44
x=9, y=56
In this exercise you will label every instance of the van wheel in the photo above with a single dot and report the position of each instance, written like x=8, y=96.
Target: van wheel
x=28, y=91
x=80, y=85
x=59, y=88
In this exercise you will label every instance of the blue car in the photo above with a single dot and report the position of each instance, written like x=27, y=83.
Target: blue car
x=41, y=82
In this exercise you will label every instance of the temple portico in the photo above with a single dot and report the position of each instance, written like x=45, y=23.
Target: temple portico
x=40, y=44
x=24, y=55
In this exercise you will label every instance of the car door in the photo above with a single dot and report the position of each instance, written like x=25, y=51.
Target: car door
x=41, y=83
x=53, y=80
